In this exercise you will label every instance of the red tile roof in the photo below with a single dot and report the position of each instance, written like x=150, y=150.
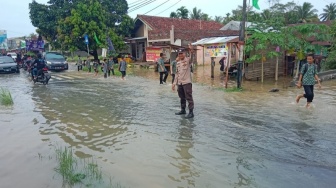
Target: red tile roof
x=185, y=29
x=191, y=36
x=165, y=23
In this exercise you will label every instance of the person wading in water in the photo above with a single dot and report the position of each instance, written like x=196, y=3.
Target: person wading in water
x=184, y=85
x=162, y=69
x=307, y=80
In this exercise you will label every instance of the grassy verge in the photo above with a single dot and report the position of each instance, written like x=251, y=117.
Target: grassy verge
x=6, y=97
x=75, y=58
x=116, y=71
x=69, y=169
x=76, y=171
x=231, y=90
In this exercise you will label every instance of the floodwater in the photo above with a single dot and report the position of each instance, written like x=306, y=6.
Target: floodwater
x=249, y=139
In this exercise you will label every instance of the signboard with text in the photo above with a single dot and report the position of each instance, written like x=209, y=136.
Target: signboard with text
x=3, y=40
x=34, y=45
x=216, y=50
x=153, y=54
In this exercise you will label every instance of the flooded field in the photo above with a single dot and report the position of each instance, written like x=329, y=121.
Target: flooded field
x=247, y=139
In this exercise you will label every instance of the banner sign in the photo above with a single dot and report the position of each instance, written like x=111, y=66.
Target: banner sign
x=216, y=50
x=86, y=39
x=3, y=40
x=153, y=54
x=22, y=44
x=34, y=45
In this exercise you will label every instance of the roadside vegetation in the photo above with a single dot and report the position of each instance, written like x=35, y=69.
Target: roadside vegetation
x=331, y=60
x=6, y=98
x=230, y=90
x=116, y=71
x=80, y=171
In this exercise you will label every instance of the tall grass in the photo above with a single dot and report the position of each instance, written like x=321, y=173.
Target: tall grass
x=84, y=172
x=231, y=90
x=75, y=171
x=6, y=97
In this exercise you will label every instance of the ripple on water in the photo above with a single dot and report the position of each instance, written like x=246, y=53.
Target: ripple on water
x=250, y=139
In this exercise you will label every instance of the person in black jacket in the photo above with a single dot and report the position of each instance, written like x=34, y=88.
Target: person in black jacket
x=38, y=65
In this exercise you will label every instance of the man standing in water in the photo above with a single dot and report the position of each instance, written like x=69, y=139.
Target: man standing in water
x=173, y=70
x=307, y=80
x=162, y=69
x=184, y=85
x=111, y=66
x=79, y=63
x=122, y=68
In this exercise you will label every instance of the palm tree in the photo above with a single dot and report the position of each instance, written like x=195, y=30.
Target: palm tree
x=196, y=14
x=329, y=12
x=266, y=15
x=306, y=12
x=173, y=15
x=218, y=19
x=206, y=17
x=227, y=19
x=183, y=12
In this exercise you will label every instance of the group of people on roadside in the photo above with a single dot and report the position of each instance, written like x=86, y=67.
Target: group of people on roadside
x=106, y=65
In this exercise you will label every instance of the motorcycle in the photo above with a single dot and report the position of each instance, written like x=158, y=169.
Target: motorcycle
x=43, y=76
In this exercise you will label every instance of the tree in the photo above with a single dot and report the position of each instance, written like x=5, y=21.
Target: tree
x=183, y=12
x=206, y=17
x=306, y=12
x=331, y=59
x=86, y=18
x=227, y=19
x=218, y=19
x=298, y=37
x=329, y=12
x=64, y=22
x=173, y=15
x=266, y=15
x=46, y=21
x=196, y=14
x=33, y=36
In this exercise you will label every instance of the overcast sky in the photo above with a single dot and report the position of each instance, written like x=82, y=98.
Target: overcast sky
x=15, y=13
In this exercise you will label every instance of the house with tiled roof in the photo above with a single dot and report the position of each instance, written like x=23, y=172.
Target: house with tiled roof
x=150, y=30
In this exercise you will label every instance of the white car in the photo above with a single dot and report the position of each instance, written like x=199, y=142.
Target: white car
x=13, y=55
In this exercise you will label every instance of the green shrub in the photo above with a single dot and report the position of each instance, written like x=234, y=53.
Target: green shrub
x=6, y=97
x=330, y=62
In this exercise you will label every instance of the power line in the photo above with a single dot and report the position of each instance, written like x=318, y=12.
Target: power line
x=158, y=6
x=132, y=3
x=142, y=5
x=168, y=8
x=138, y=3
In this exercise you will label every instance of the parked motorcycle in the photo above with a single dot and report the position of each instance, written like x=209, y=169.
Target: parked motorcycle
x=43, y=76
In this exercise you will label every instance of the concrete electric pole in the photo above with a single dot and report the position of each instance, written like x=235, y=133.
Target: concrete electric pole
x=241, y=47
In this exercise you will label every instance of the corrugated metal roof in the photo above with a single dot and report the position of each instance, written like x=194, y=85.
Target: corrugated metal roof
x=215, y=40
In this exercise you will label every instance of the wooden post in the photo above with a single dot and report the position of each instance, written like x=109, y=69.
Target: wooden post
x=228, y=64
x=203, y=56
x=212, y=67
x=277, y=69
x=262, y=68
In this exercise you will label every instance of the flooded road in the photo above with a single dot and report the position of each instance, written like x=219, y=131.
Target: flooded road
x=247, y=139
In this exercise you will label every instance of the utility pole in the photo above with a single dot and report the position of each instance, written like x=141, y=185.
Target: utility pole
x=241, y=47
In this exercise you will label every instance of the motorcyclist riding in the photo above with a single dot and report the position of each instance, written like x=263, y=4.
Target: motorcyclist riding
x=38, y=64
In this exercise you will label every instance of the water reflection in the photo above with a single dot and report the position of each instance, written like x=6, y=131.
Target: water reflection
x=83, y=121
x=249, y=139
x=244, y=180
x=184, y=162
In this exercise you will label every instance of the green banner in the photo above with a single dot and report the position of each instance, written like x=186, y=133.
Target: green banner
x=255, y=4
